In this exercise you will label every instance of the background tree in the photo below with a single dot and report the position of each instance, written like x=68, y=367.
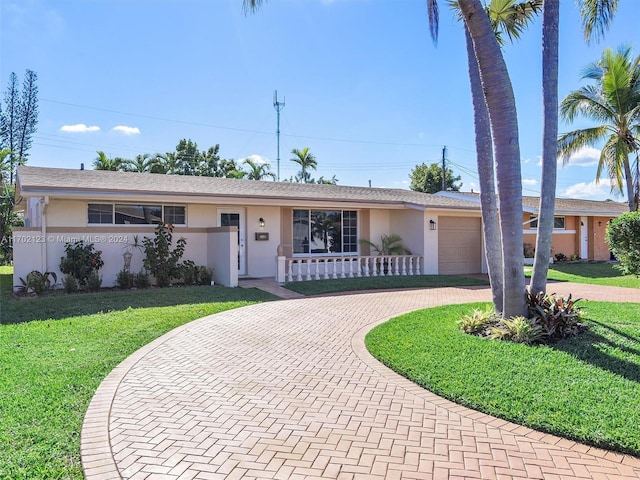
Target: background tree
x=307, y=161
x=258, y=171
x=209, y=164
x=8, y=218
x=186, y=157
x=102, y=162
x=428, y=179
x=19, y=119
x=143, y=163
x=613, y=101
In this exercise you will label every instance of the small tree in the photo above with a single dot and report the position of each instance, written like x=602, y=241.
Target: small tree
x=160, y=259
x=82, y=261
x=428, y=179
x=623, y=236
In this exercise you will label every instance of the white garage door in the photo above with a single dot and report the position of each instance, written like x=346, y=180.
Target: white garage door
x=459, y=245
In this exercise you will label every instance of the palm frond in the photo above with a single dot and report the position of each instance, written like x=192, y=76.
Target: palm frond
x=571, y=142
x=434, y=19
x=596, y=17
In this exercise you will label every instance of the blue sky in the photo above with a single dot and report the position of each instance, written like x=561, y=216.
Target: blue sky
x=364, y=87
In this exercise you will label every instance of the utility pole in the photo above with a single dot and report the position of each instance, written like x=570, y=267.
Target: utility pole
x=444, y=168
x=278, y=106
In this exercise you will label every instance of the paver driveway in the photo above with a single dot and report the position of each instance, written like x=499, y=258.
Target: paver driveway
x=287, y=390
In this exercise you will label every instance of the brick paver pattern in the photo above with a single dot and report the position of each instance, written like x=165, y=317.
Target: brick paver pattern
x=287, y=390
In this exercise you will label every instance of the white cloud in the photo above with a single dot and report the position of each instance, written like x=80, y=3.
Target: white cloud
x=529, y=181
x=585, y=157
x=79, y=128
x=255, y=158
x=524, y=161
x=126, y=130
x=591, y=190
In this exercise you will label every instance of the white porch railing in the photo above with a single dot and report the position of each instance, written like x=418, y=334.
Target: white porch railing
x=324, y=268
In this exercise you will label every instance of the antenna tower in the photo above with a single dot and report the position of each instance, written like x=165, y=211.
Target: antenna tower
x=278, y=106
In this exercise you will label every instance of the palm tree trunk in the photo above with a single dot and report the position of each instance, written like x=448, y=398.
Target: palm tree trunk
x=631, y=193
x=500, y=101
x=550, y=23
x=488, y=201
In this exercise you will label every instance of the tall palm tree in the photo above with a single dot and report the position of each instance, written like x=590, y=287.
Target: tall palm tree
x=596, y=18
x=614, y=103
x=307, y=161
x=509, y=19
x=500, y=102
x=258, y=171
x=102, y=162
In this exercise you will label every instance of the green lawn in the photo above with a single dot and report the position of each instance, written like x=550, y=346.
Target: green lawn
x=586, y=388
x=320, y=287
x=594, y=273
x=50, y=368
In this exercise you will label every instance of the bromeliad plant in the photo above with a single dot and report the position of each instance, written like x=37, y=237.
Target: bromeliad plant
x=558, y=317
x=551, y=318
x=38, y=282
x=162, y=260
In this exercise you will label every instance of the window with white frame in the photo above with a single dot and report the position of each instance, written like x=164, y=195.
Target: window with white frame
x=135, y=214
x=325, y=232
x=558, y=223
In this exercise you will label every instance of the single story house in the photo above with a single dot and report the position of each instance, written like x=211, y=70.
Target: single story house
x=246, y=228
x=579, y=225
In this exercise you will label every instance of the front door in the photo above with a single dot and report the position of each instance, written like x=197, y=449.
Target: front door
x=584, y=238
x=235, y=218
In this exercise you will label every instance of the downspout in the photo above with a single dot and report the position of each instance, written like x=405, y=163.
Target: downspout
x=44, y=201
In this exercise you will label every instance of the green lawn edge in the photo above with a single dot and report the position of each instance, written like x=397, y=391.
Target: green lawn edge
x=583, y=389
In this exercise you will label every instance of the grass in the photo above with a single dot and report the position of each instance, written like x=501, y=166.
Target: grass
x=592, y=273
x=51, y=368
x=585, y=389
x=321, y=287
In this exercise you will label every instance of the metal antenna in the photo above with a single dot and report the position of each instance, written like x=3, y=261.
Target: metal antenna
x=278, y=106
x=444, y=168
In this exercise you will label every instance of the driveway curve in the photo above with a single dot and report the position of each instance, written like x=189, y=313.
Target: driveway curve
x=287, y=390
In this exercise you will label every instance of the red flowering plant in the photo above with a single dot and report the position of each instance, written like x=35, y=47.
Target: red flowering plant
x=81, y=262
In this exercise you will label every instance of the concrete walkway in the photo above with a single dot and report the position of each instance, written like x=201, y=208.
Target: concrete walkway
x=287, y=390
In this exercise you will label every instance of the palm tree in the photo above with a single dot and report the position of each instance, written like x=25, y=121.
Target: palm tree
x=102, y=162
x=614, y=102
x=507, y=18
x=258, y=171
x=596, y=18
x=142, y=163
x=307, y=161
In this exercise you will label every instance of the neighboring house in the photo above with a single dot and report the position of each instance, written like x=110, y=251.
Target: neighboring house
x=579, y=225
x=246, y=228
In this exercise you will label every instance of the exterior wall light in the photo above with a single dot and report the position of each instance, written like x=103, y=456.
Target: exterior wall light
x=261, y=222
x=432, y=225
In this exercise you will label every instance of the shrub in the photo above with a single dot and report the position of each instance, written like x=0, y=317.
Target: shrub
x=70, y=283
x=205, y=275
x=160, y=259
x=81, y=261
x=518, y=330
x=38, y=282
x=575, y=257
x=189, y=272
x=141, y=280
x=124, y=279
x=529, y=250
x=558, y=317
x=94, y=282
x=623, y=237
x=561, y=257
